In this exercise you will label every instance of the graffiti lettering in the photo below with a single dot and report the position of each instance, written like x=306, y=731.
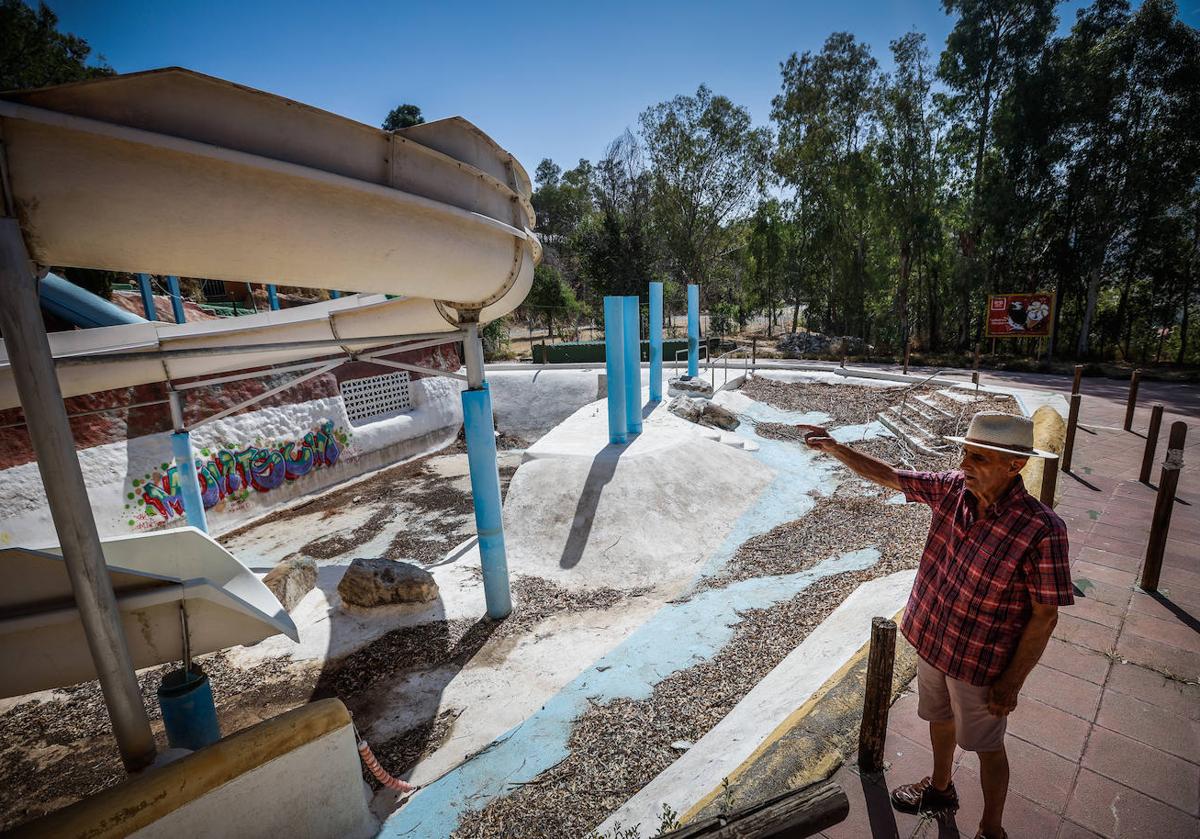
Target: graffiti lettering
x=229, y=472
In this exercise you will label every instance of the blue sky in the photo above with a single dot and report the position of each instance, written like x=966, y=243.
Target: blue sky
x=556, y=80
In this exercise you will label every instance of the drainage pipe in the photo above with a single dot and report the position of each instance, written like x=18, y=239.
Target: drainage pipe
x=66, y=495
x=633, y=365
x=656, y=341
x=614, y=365
x=185, y=465
x=479, y=428
x=693, y=323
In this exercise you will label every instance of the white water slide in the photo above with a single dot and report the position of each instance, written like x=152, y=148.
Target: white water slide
x=173, y=172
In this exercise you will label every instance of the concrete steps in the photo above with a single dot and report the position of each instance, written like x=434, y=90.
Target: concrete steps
x=908, y=428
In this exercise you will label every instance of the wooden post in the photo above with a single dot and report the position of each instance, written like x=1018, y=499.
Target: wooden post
x=1151, y=443
x=906, y=358
x=1164, y=504
x=843, y=359
x=877, y=698
x=754, y=352
x=1132, y=403
x=978, y=347
x=1049, y=480
x=795, y=813
x=1078, y=375
x=1072, y=422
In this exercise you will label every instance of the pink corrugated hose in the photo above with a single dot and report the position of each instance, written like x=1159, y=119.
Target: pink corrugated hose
x=381, y=774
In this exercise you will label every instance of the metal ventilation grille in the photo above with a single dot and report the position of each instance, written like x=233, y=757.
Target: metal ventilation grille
x=376, y=397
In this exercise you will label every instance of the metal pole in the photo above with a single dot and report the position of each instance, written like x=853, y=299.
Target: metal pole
x=633, y=365
x=147, y=296
x=1131, y=404
x=1151, y=443
x=1164, y=504
x=66, y=495
x=185, y=466
x=479, y=429
x=614, y=365
x=176, y=299
x=272, y=297
x=877, y=698
x=656, y=341
x=1072, y=422
x=693, y=330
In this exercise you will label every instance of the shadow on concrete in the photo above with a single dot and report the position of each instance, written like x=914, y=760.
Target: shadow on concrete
x=1086, y=483
x=604, y=466
x=883, y=819
x=1185, y=617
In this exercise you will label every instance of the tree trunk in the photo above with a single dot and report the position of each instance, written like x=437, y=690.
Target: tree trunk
x=1089, y=310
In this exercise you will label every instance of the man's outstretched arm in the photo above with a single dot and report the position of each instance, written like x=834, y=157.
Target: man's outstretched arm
x=861, y=464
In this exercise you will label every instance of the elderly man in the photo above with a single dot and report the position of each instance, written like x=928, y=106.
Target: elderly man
x=985, y=600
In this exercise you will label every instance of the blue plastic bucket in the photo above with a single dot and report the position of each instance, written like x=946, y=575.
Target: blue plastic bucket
x=188, y=711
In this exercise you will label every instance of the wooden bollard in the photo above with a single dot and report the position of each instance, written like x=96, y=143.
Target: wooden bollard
x=978, y=347
x=1164, y=504
x=1151, y=443
x=1072, y=422
x=906, y=351
x=1132, y=403
x=877, y=697
x=1049, y=480
x=1078, y=375
x=754, y=352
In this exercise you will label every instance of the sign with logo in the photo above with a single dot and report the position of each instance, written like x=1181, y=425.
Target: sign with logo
x=1020, y=315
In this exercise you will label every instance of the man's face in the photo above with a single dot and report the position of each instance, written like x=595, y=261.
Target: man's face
x=988, y=471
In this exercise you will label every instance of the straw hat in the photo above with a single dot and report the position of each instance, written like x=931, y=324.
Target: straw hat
x=1003, y=433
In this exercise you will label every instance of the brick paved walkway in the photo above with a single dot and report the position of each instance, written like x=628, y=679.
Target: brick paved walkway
x=1106, y=738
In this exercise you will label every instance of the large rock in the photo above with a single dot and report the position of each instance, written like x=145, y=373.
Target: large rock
x=291, y=579
x=694, y=386
x=800, y=344
x=703, y=412
x=379, y=582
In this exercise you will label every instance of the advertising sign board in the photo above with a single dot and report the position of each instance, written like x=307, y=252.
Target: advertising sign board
x=1020, y=315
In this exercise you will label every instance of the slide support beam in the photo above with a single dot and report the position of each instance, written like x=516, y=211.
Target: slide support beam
x=633, y=365
x=272, y=297
x=176, y=299
x=693, y=326
x=185, y=463
x=656, y=341
x=147, y=296
x=614, y=365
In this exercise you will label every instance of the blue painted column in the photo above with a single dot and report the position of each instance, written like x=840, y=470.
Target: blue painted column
x=272, y=297
x=479, y=429
x=614, y=365
x=176, y=299
x=189, y=481
x=693, y=303
x=633, y=365
x=147, y=296
x=185, y=462
x=334, y=295
x=656, y=346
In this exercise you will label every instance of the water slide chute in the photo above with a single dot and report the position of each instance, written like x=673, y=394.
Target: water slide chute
x=174, y=172
x=42, y=642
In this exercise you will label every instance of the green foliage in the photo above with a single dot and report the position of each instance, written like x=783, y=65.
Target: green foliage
x=402, y=116
x=33, y=53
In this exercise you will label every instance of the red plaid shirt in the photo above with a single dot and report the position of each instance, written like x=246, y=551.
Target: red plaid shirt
x=979, y=574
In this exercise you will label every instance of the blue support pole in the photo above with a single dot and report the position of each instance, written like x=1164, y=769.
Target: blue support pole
x=693, y=303
x=334, y=295
x=656, y=346
x=147, y=296
x=272, y=297
x=614, y=365
x=189, y=481
x=480, y=433
x=176, y=299
x=633, y=365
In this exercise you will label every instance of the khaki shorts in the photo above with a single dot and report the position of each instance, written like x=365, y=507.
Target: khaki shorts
x=941, y=697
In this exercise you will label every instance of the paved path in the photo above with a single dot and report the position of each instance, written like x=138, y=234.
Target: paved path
x=1106, y=739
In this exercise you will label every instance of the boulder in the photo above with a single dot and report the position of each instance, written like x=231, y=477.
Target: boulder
x=683, y=385
x=291, y=579
x=703, y=412
x=371, y=581
x=800, y=344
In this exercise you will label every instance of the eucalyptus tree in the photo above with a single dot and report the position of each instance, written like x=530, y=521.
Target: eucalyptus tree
x=825, y=117
x=708, y=163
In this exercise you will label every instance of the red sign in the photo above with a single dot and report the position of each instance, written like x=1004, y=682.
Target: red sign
x=1020, y=315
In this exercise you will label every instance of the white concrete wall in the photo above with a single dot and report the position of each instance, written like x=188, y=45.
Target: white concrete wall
x=111, y=470
x=315, y=790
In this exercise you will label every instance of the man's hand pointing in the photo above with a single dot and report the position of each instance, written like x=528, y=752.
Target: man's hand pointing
x=818, y=437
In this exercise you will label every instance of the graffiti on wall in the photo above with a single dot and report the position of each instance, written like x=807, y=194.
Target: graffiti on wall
x=231, y=473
